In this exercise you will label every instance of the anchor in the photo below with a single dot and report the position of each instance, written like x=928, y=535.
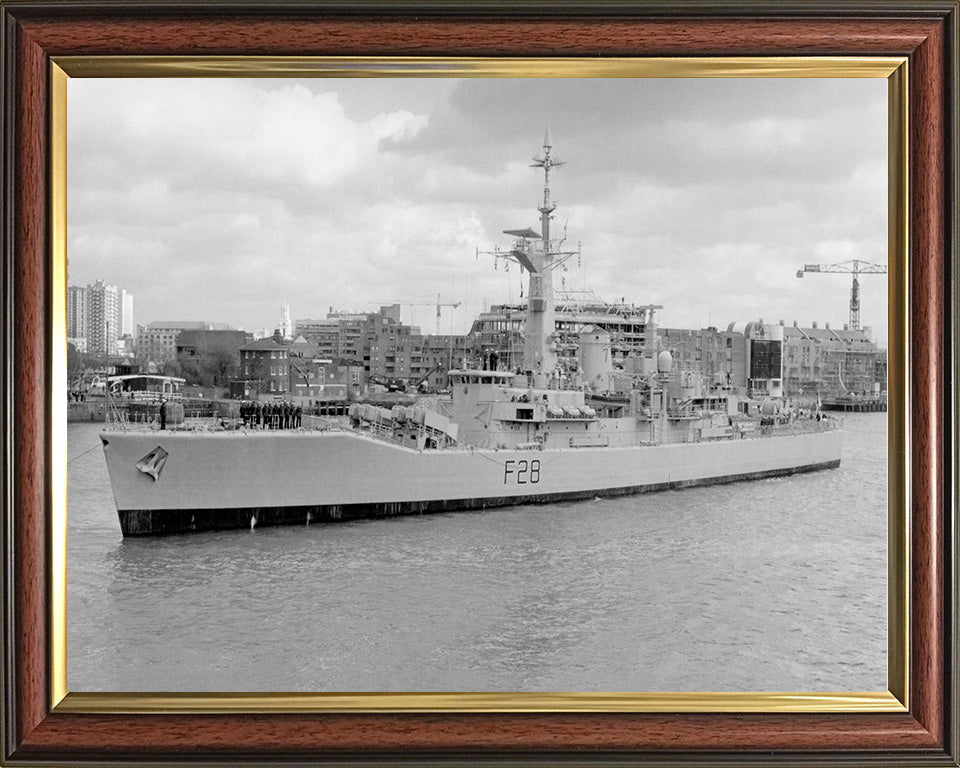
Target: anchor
x=152, y=463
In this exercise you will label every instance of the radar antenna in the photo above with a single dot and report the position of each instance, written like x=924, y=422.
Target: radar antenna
x=546, y=161
x=538, y=255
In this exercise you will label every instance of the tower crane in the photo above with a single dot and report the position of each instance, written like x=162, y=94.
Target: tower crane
x=438, y=304
x=856, y=267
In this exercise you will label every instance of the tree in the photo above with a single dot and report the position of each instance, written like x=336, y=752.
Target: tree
x=74, y=364
x=190, y=370
x=142, y=358
x=211, y=363
x=172, y=368
x=219, y=363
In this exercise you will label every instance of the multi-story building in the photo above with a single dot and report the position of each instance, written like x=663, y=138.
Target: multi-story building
x=195, y=342
x=312, y=379
x=880, y=372
x=764, y=359
x=265, y=368
x=325, y=334
x=104, y=317
x=438, y=355
x=707, y=350
x=389, y=346
x=77, y=316
x=157, y=341
x=389, y=351
x=747, y=356
x=831, y=362
x=308, y=368
x=127, y=327
x=216, y=353
x=499, y=331
x=759, y=359
x=98, y=315
x=347, y=335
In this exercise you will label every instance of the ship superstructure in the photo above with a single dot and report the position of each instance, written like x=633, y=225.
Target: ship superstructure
x=617, y=421
x=498, y=332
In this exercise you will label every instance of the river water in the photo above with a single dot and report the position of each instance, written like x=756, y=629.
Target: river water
x=771, y=585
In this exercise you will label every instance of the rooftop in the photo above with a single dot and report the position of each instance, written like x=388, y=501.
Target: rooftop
x=189, y=325
x=826, y=334
x=267, y=344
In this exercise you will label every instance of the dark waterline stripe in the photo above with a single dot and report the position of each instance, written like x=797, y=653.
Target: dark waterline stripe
x=155, y=522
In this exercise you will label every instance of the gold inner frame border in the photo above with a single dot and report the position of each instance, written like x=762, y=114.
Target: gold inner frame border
x=893, y=69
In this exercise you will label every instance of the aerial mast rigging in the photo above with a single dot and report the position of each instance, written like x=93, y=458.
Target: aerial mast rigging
x=536, y=253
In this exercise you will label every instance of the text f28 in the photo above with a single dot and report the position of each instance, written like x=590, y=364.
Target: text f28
x=521, y=472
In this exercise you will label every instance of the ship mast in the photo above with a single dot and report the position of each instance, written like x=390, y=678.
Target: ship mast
x=540, y=256
x=546, y=162
x=539, y=350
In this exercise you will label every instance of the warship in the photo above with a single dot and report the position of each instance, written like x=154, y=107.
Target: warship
x=541, y=432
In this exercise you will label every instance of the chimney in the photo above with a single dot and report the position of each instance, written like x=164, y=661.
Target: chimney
x=846, y=327
x=794, y=323
x=814, y=324
x=781, y=323
x=827, y=325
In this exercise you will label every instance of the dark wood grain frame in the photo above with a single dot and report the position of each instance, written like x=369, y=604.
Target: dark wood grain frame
x=925, y=32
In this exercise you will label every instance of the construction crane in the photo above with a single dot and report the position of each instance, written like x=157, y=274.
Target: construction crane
x=438, y=304
x=856, y=267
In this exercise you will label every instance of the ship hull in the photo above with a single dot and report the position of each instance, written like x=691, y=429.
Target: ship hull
x=212, y=481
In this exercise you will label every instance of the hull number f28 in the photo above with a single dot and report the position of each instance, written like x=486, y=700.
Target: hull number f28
x=521, y=472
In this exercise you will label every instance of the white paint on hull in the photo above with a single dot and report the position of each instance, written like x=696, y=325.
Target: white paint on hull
x=278, y=469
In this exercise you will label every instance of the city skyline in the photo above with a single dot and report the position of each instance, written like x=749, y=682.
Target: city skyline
x=98, y=315
x=224, y=200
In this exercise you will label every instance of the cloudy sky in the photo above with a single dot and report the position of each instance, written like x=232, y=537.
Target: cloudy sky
x=221, y=199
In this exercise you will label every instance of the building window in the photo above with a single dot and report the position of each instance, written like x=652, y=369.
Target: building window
x=273, y=370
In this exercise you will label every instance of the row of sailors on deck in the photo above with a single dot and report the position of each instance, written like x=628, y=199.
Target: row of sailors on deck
x=278, y=415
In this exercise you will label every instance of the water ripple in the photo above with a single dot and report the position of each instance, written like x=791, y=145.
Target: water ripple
x=771, y=585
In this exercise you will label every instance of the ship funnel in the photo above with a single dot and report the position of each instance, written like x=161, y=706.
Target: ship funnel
x=596, y=362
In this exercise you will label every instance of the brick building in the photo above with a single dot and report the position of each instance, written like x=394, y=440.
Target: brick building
x=157, y=341
x=264, y=368
x=389, y=351
x=831, y=362
x=213, y=354
x=812, y=361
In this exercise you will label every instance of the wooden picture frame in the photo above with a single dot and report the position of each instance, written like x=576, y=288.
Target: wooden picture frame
x=39, y=729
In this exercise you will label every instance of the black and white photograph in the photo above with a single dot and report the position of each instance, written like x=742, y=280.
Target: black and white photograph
x=470, y=384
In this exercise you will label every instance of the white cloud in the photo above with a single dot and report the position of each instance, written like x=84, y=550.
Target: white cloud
x=218, y=199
